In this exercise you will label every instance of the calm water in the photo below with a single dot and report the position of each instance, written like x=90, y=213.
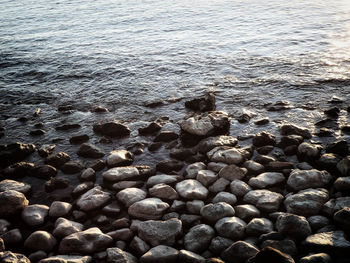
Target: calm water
x=125, y=54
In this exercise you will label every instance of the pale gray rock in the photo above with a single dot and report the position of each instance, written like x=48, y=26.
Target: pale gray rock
x=40, y=240
x=59, y=208
x=93, y=199
x=232, y=172
x=219, y=185
x=162, y=179
x=119, y=158
x=293, y=226
x=67, y=259
x=214, y=212
x=207, y=144
x=35, y=215
x=193, y=169
x=306, y=202
x=206, y=177
x=225, y=154
x=264, y=199
x=130, y=196
x=198, y=238
x=85, y=242
x=194, y=206
x=117, y=174
x=267, y=179
x=7, y=184
x=163, y=191
x=149, y=208
x=116, y=255
x=239, y=252
x=12, y=202
x=246, y=212
x=259, y=226
x=303, y=179
x=160, y=254
x=191, y=189
x=231, y=227
x=225, y=197
x=239, y=188
x=160, y=232
x=65, y=227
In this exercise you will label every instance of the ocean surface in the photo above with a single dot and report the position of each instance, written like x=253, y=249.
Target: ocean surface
x=124, y=55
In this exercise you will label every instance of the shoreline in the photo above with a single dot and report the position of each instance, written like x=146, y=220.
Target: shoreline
x=214, y=187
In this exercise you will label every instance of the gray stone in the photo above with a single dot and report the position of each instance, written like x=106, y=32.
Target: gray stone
x=334, y=241
x=116, y=255
x=11, y=203
x=177, y=205
x=150, y=208
x=163, y=191
x=160, y=254
x=82, y=188
x=296, y=227
x=246, y=212
x=4, y=226
x=307, y=151
x=206, y=177
x=130, y=196
x=219, y=244
x=85, y=242
x=67, y=259
x=239, y=188
x=341, y=218
x=225, y=154
x=316, y=222
x=162, y=179
x=194, y=206
x=303, y=179
x=190, y=257
x=40, y=240
x=335, y=205
x=267, y=179
x=232, y=172
x=193, y=169
x=140, y=246
x=65, y=227
x=90, y=151
x=342, y=184
x=225, y=197
x=287, y=246
x=8, y=184
x=344, y=166
x=35, y=215
x=259, y=226
x=37, y=256
x=214, y=212
x=264, y=199
x=231, y=227
x=57, y=159
x=306, y=202
x=59, y=208
x=88, y=174
x=239, y=252
x=253, y=167
x=119, y=158
x=269, y=254
x=117, y=174
x=292, y=129
x=93, y=199
x=198, y=238
x=191, y=189
x=160, y=232
x=207, y=144
x=216, y=167
x=123, y=234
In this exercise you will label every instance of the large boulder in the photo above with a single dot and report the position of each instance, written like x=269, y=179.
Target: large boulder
x=85, y=242
x=93, y=199
x=112, y=129
x=11, y=203
x=303, y=179
x=150, y=208
x=191, y=189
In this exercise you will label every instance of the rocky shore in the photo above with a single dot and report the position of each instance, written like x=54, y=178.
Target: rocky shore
x=280, y=197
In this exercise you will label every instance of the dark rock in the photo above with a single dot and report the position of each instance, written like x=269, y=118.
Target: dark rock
x=290, y=150
x=262, y=121
x=182, y=153
x=56, y=183
x=46, y=149
x=333, y=112
x=239, y=252
x=117, y=255
x=99, y=109
x=264, y=159
x=71, y=167
x=265, y=149
x=198, y=238
x=293, y=226
x=271, y=255
x=57, y=159
x=333, y=242
x=279, y=106
x=12, y=237
x=286, y=245
x=152, y=128
x=271, y=236
x=136, y=148
x=166, y=136
x=65, y=108
x=112, y=129
x=264, y=138
x=90, y=151
x=11, y=203
x=276, y=166
x=154, y=146
x=38, y=132
x=289, y=129
x=329, y=161
x=37, y=256
x=155, y=104
x=78, y=139
x=10, y=257
x=168, y=166
x=340, y=147
x=15, y=152
x=20, y=169
x=316, y=222
x=22, y=119
x=40, y=240
x=316, y=258
x=97, y=165
x=44, y=171
x=66, y=127
x=345, y=128
x=160, y=254
x=325, y=132
x=210, y=143
x=2, y=245
x=341, y=218
x=202, y=104
x=290, y=140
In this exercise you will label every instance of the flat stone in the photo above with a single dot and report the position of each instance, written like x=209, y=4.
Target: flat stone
x=264, y=199
x=132, y=195
x=121, y=173
x=40, y=240
x=15, y=152
x=65, y=227
x=231, y=227
x=267, y=179
x=35, y=215
x=198, y=238
x=150, y=208
x=303, y=179
x=93, y=199
x=219, y=244
x=214, y=212
x=225, y=154
x=8, y=184
x=291, y=129
x=191, y=189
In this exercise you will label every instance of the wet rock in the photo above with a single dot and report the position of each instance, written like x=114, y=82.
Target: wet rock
x=341, y=218
x=267, y=179
x=329, y=161
x=293, y=226
x=191, y=189
x=190, y=257
x=231, y=227
x=214, y=212
x=46, y=149
x=93, y=199
x=62, y=108
x=262, y=121
x=65, y=227
x=151, y=128
x=154, y=146
x=290, y=140
x=119, y=158
x=88, y=150
x=271, y=255
x=333, y=241
x=291, y=129
x=57, y=160
x=339, y=147
x=210, y=143
x=160, y=232
x=99, y=109
x=20, y=169
x=264, y=138
x=150, y=208
x=132, y=195
x=112, y=129
x=121, y=173
x=225, y=154
x=219, y=244
x=15, y=152
x=37, y=256
x=160, y=254
x=127, y=184
x=259, y=226
x=79, y=139
x=335, y=205
x=279, y=106
x=116, y=255
x=264, y=199
x=202, y=104
x=59, y=208
x=34, y=215
x=206, y=177
x=71, y=167
x=56, y=183
x=246, y=212
x=232, y=172
x=66, y=259
x=85, y=242
x=97, y=165
x=316, y=258
x=8, y=184
x=12, y=237
x=239, y=252
x=163, y=191
x=140, y=246
x=303, y=179
x=182, y=154
x=198, y=238
x=11, y=203
x=37, y=132
x=69, y=126
x=193, y=169
x=9, y=257
x=166, y=136
x=308, y=152
x=306, y=202
x=167, y=166
x=40, y=240
x=239, y=188
x=44, y=171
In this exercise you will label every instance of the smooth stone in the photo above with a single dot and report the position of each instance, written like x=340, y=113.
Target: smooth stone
x=342, y=184
x=206, y=177
x=193, y=169
x=117, y=174
x=67, y=259
x=93, y=199
x=10, y=257
x=40, y=240
x=190, y=257
x=216, y=167
x=71, y=167
x=259, y=226
x=82, y=188
x=132, y=195
x=239, y=188
x=37, y=256
x=4, y=226
x=286, y=246
x=208, y=144
x=59, y=208
x=316, y=222
x=85, y=242
x=162, y=179
x=254, y=168
x=264, y=199
x=194, y=206
x=334, y=241
x=78, y=139
x=232, y=172
x=88, y=174
x=88, y=150
x=44, y=171
x=112, y=129
x=7, y=184
x=14, y=236
x=344, y=166
x=160, y=254
x=177, y=205
x=231, y=227
x=148, y=209
x=219, y=185
x=138, y=245
x=316, y=258
x=271, y=255
x=112, y=209
x=341, y=218
x=160, y=232
x=15, y=152
x=35, y=215
x=198, y=238
x=163, y=191
x=117, y=255
x=225, y=197
x=65, y=227
x=306, y=202
x=151, y=128
x=307, y=151
x=264, y=138
x=267, y=179
x=293, y=226
x=225, y=154
x=127, y=184
x=303, y=179
x=119, y=158
x=340, y=147
x=239, y=252
x=219, y=244
x=291, y=129
x=191, y=189
x=335, y=205
x=246, y=212
x=214, y=212
x=167, y=166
